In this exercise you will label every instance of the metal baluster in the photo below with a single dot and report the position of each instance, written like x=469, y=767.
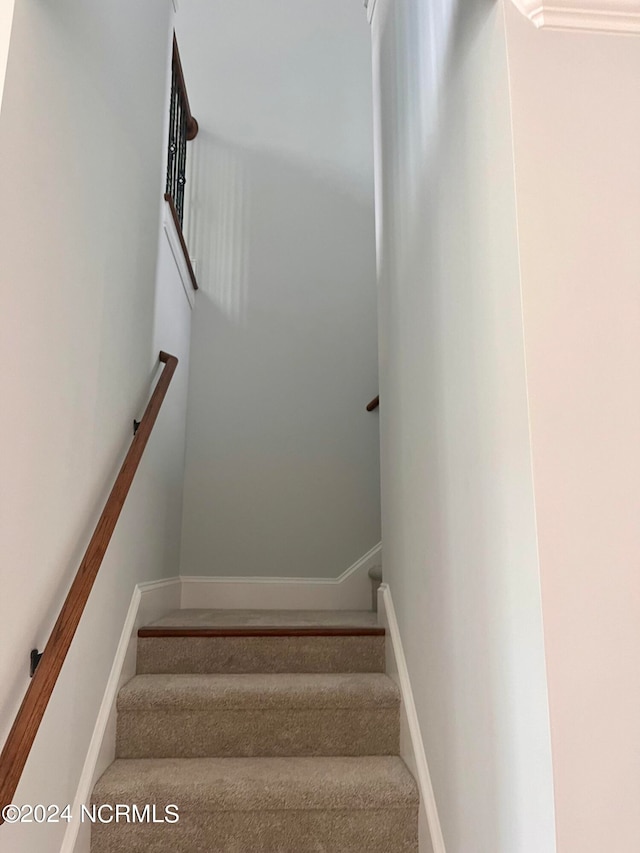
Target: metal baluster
x=177, y=153
x=182, y=164
x=172, y=140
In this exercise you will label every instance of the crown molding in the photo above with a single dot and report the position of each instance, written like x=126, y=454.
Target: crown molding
x=607, y=16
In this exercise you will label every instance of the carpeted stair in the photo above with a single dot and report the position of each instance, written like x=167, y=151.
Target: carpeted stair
x=272, y=732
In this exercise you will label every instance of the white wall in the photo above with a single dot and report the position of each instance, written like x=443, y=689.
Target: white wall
x=6, y=19
x=81, y=143
x=282, y=458
x=577, y=136
x=459, y=534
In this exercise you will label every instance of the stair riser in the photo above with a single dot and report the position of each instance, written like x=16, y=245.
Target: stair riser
x=320, y=831
x=260, y=654
x=292, y=732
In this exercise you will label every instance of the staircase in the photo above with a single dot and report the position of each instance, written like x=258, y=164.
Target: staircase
x=268, y=730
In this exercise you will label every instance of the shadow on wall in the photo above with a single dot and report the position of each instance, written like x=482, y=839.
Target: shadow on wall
x=218, y=224
x=234, y=188
x=417, y=94
x=282, y=458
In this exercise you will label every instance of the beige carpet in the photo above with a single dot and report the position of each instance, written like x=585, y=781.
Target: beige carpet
x=264, y=744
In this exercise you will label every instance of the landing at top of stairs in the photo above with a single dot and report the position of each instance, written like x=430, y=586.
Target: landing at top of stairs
x=265, y=623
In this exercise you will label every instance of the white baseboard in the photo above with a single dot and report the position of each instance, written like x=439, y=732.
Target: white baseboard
x=411, y=744
x=350, y=591
x=149, y=602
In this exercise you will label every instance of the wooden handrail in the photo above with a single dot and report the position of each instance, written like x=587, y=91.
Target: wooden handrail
x=25, y=727
x=192, y=124
x=183, y=244
x=373, y=404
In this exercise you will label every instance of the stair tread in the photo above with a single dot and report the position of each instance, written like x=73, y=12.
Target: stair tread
x=202, y=618
x=264, y=623
x=258, y=691
x=263, y=784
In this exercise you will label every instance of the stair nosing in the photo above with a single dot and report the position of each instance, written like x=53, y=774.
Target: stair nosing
x=260, y=631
